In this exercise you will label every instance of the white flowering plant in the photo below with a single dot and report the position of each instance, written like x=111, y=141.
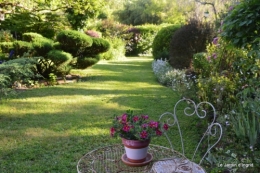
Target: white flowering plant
x=166, y=75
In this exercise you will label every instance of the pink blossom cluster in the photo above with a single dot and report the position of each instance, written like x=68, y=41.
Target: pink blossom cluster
x=138, y=126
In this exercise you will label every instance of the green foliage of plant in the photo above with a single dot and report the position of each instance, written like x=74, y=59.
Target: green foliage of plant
x=141, y=12
x=41, y=46
x=45, y=67
x=25, y=20
x=5, y=89
x=52, y=79
x=133, y=13
x=218, y=90
x=241, y=26
x=161, y=42
x=61, y=61
x=188, y=40
x=201, y=64
x=116, y=51
x=20, y=70
x=228, y=77
x=31, y=36
x=139, y=39
x=246, y=114
x=73, y=42
x=6, y=47
x=6, y=36
x=110, y=28
x=84, y=62
x=79, y=11
x=218, y=78
x=98, y=46
x=21, y=47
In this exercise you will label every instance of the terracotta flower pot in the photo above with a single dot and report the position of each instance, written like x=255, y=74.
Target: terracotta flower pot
x=136, y=151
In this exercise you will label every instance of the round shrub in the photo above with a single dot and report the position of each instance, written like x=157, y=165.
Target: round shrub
x=74, y=42
x=99, y=45
x=30, y=36
x=21, y=47
x=59, y=57
x=6, y=47
x=61, y=61
x=188, y=40
x=84, y=62
x=56, y=45
x=42, y=46
x=161, y=42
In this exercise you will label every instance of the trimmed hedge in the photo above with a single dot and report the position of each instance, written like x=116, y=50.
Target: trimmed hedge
x=59, y=57
x=99, y=45
x=84, y=62
x=161, y=42
x=21, y=47
x=31, y=36
x=6, y=47
x=42, y=46
x=61, y=61
x=74, y=42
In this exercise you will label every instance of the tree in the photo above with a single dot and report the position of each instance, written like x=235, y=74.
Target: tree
x=50, y=16
x=139, y=12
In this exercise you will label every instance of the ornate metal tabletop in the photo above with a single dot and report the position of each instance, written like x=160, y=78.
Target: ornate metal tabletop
x=108, y=160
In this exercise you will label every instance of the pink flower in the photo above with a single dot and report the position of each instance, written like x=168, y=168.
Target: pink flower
x=215, y=41
x=144, y=125
x=126, y=128
x=145, y=117
x=124, y=118
x=214, y=55
x=135, y=118
x=144, y=134
x=158, y=132
x=153, y=124
x=165, y=126
x=112, y=131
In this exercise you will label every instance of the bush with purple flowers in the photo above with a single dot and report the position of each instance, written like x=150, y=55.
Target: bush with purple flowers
x=136, y=127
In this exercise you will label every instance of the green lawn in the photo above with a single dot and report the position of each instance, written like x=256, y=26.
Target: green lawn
x=48, y=129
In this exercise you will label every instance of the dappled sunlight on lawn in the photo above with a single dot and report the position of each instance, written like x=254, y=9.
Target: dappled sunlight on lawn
x=66, y=121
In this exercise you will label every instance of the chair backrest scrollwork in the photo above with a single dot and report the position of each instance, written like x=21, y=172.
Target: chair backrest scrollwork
x=201, y=110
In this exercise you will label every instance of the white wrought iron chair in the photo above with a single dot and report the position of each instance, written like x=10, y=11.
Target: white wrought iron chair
x=213, y=132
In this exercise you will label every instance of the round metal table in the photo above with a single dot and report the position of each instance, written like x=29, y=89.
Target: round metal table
x=108, y=160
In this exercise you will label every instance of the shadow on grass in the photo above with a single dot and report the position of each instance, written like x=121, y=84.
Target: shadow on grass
x=49, y=129
x=49, y=154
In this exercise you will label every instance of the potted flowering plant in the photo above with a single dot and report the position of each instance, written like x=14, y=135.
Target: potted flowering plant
x=136, y=132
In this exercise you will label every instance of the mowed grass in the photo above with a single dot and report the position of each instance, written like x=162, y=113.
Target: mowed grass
x=49, y=129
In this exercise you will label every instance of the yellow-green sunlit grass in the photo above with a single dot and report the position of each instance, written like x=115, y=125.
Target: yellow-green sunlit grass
x=48, y=129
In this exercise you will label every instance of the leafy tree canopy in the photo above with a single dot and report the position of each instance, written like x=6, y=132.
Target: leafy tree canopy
x=38, y=15
x=137, y=12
